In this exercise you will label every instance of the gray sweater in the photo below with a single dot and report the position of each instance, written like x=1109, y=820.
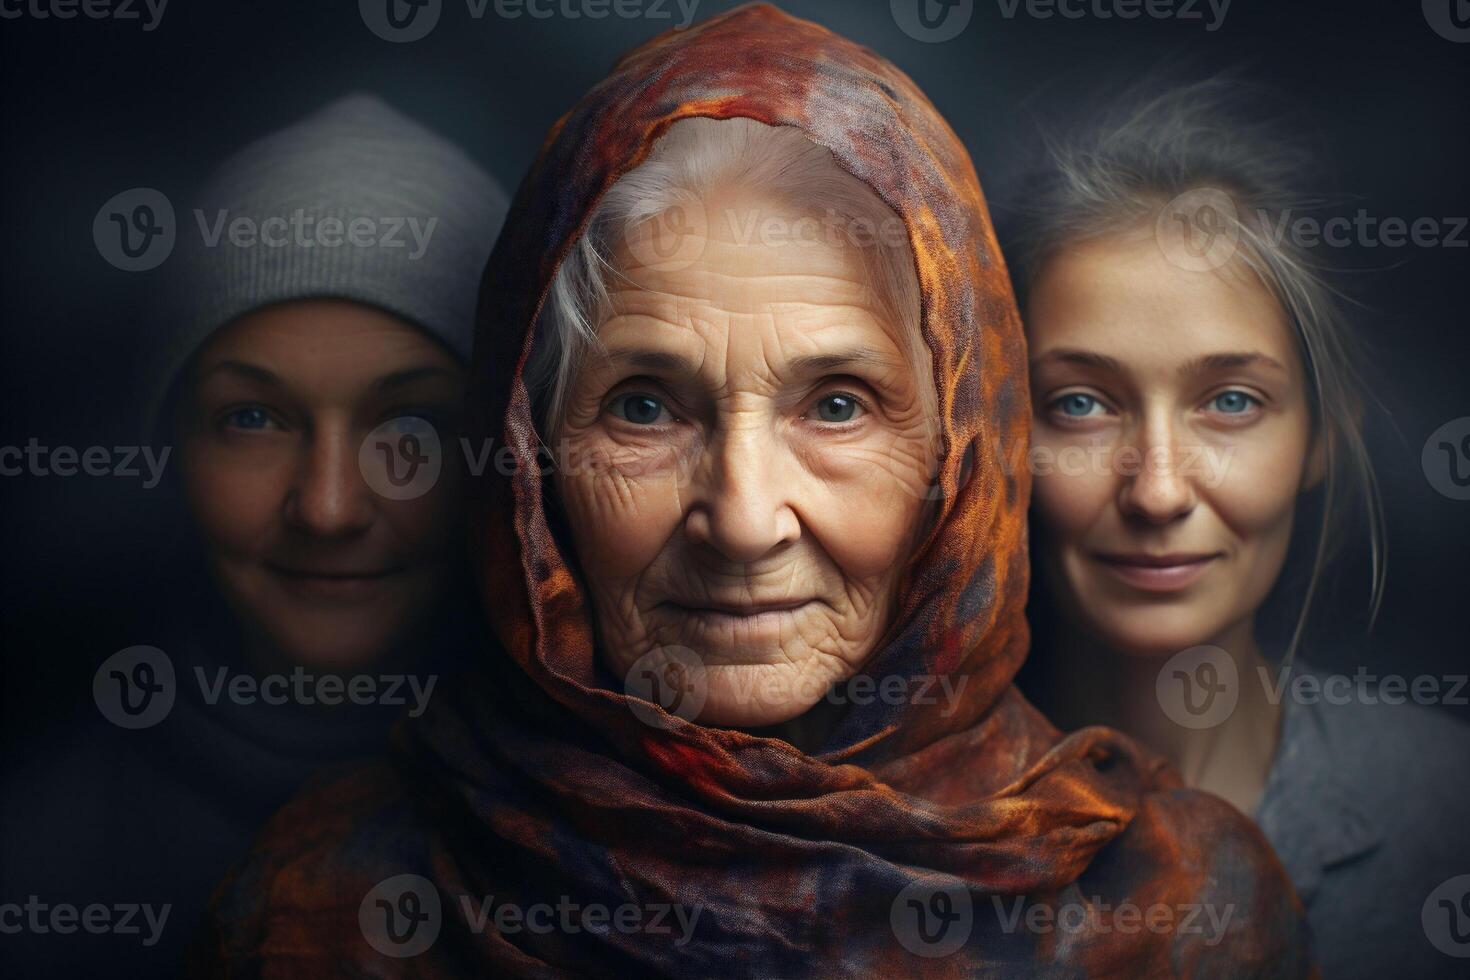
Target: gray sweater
x=1368, y=806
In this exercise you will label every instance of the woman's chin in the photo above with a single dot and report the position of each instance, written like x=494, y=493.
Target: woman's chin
x=1149, y=636
x=758, y=695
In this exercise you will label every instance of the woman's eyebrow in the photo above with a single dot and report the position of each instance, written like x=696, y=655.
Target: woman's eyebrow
x=1231, y=359
x=821, y=363
x=653, y=360
x=1079, y=357
x=241, y=369
x=409, y=375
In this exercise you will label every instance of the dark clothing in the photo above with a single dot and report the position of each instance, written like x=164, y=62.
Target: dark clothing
x=92, y=813
x=1366, y=805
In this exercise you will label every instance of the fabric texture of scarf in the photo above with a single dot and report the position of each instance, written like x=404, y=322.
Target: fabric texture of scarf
x=533, y=783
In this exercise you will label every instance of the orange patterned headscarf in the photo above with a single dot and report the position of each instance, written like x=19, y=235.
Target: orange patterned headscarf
x=968, y=842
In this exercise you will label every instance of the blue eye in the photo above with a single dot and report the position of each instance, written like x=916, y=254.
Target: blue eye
x=1233, y=402
x=837, y=408
x=1076, y=405
x=248, y=418
x=638, y=408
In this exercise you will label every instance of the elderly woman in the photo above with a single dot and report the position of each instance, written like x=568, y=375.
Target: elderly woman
x=761, y=611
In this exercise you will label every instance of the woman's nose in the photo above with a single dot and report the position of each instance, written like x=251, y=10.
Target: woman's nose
x=1159, y=489
x=329, y=497
x=741, y=503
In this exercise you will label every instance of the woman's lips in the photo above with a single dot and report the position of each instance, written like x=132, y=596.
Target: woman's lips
x=1158, y=573
x=747, y=618
x=333, y=584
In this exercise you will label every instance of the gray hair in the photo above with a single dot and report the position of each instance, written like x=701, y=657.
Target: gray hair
x=1126, y=172
x=695, y=157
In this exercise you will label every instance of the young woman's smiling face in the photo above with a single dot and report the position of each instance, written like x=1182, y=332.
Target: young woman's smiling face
x=329, y=571
x=1173, y=434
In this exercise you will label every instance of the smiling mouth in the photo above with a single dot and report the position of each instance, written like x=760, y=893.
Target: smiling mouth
x=1158, y=573
x=334, y=584
x=739, y=610
x=334, y=575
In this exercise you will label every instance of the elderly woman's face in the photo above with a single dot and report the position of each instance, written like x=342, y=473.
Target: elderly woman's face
x=746, y=467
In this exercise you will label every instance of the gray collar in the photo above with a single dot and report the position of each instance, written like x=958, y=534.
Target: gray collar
x=1312, y=815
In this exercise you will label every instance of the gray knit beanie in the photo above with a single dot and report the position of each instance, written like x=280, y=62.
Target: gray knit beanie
x=356, y=202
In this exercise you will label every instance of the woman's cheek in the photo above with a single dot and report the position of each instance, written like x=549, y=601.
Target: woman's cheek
x=235, y=496
x=1071, y=487
x=623, y=505
x=1253, y=480
x=863, y=501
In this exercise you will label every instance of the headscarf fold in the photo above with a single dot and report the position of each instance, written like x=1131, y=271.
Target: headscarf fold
x=535, y=782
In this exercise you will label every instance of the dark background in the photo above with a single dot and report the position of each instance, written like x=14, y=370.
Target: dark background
x=90, y=108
